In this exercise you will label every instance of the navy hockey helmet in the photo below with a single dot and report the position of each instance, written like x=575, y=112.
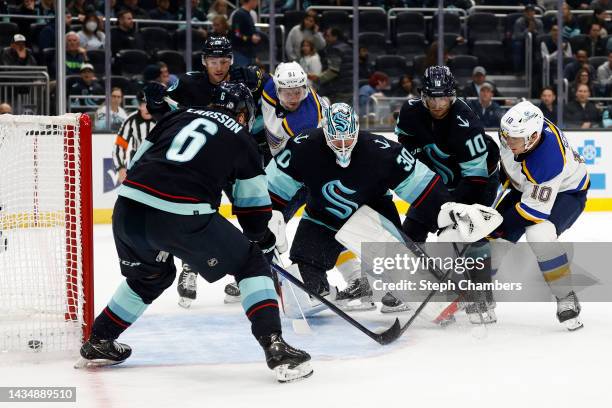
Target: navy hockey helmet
x=217, y=46
x=438, y=81
x=235, y=98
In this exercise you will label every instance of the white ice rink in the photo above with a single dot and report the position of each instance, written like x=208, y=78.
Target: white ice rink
x=206, y=357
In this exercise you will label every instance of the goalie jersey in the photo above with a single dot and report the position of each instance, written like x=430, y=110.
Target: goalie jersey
x=189, y=157
x=281, y=125
x=551, y=167
x=335, y=193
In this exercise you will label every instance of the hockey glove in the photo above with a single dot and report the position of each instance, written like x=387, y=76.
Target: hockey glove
x=466, y=223
x=267, y=244
x=154, y=93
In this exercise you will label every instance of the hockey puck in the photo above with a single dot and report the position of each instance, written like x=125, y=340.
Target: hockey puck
x=35, y=345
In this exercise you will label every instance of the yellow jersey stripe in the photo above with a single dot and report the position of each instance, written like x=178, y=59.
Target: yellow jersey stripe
x=526, y=215
x=268, y=98
x=561, y=147
x=527, y=174
x=287, y=128
x=316, y=99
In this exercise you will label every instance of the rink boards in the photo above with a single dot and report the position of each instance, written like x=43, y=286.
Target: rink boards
x=595, y=146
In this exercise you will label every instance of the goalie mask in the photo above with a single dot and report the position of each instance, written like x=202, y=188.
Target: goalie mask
x=341, y=127
x=523, y=121
x=291, y=85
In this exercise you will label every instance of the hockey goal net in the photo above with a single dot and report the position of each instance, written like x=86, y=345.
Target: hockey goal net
x=46, y=235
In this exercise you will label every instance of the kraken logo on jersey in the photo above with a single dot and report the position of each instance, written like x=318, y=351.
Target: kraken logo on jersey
x=332, y=192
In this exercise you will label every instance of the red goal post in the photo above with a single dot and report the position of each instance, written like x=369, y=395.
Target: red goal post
x=46, y=232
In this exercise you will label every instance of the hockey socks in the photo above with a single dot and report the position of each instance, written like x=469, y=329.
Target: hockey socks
x=124, y=308
x=260, y=305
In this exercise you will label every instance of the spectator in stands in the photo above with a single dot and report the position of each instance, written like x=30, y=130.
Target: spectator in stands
x=86, y=85
x=377, y=83
x=80, y=7
x=17, y=54
x=90, y=36
x=218, y=8
x=604, y=4
x=197, y=12
x=244, y=35
x=162, y=11
x=570, y=22
x=336, y=81
x=47, y=7
x=132, y=6
x=165, y=77
x=117, y=113
x=582, y=112
x=46, y=37
x=27, y=8
x=548, y=47
x=487, y=110
x=365, y=69
x=548, y=103
x=310, y=60
x=604, y=76
x=76, y=55
x=479, y=77
x=125, y=35
x=579, y=4
x=527, y=23
x=600, y=15
x=308, y=29
x=582, y=77
x=597, y=45
x=220, y=26
x=405, y=88
x=5, y=108
x=582, y=61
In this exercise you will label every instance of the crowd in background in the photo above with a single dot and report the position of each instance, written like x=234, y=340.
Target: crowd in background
x=325, y=53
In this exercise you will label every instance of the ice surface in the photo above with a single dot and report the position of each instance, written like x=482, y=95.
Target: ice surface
x=206, y=357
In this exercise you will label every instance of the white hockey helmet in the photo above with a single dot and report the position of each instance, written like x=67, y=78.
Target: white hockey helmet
x=522, y=120
x=341, y=128
x=291, y=84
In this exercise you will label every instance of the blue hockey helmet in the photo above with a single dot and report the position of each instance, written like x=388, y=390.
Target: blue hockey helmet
x=341, y=128
x=235, y=98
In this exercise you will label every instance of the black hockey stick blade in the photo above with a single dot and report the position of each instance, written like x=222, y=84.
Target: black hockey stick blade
x=386, y=337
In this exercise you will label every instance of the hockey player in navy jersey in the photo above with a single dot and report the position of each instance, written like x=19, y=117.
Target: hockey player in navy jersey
x=335, y=163
x=196, y=89
x=167, y=207
x=444, y=133
x=548, y=188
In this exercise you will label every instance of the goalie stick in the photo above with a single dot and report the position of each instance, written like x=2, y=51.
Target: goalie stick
x=386, y=337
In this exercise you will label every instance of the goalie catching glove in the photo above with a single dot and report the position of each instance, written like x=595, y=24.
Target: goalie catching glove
x=466, y=223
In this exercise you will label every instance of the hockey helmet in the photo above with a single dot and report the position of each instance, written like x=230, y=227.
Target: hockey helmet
x=523, y=120
x=341, y=128
x=235, y=98
x=217, y=47
x=291, y=84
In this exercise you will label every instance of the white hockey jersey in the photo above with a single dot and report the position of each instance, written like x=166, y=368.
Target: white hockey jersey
x=280, y=124
x=550, y=168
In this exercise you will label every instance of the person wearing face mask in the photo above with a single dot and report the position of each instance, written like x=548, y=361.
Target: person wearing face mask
x=90, y=37
x=444, y=133
x=17, y=53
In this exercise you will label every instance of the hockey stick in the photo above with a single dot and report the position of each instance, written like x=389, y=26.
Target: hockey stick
x=386, y=337
x=299, y=326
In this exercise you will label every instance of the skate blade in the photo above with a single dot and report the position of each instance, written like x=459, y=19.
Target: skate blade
x=284, y=374
x=404, y=307
x=185, y=303
x=485, y=318
x=356, y=305
x=101, y=362
x=573, y=324
x=231, y=299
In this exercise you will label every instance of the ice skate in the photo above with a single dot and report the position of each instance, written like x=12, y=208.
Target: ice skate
x=391, y=304
x=100, y=352
x=357, y=296
x=232, y=293
x=289, y=364
x=187, y=286
x=481, y=312
x=568, y=311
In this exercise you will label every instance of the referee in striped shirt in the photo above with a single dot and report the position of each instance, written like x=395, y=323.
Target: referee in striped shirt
x=134, y=130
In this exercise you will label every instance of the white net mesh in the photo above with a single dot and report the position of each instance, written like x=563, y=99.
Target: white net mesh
x=41, y=287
